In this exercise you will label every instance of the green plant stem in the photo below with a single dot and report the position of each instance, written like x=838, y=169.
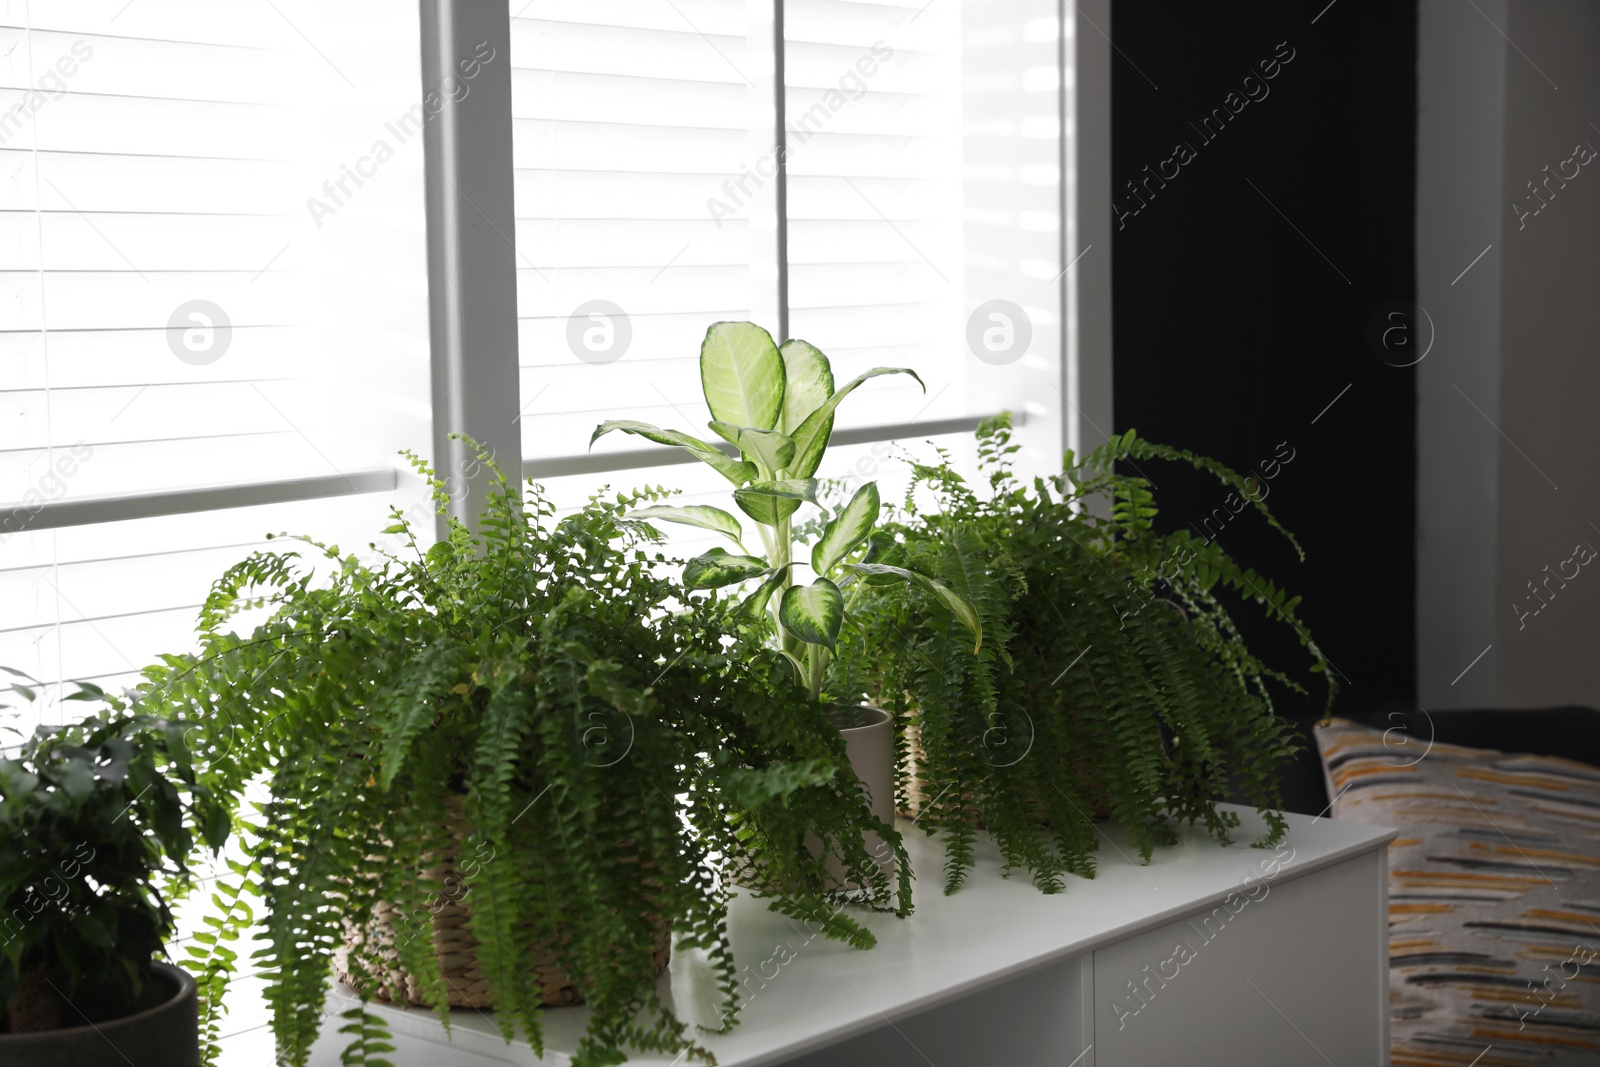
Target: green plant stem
x=766, y=542
x=780, y=553
x=817, y=661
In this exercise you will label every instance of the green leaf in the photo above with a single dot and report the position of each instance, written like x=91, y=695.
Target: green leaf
x=769, y=502
x=94, y=929
x=717, y=568
x=847, y=530
x=434, y=671
x=215, y=825
x=751, y=788
x=769, y=448
x=811, y=436
x=701, y=515
x=28, y=693
x=813, y=613
x=16, y=782
x=742, y=375
x=878, y=546
x=963, y=610
x=76, y=780
x=808, y=382
x=756, y=602
x=732, y=469
x=799, y=668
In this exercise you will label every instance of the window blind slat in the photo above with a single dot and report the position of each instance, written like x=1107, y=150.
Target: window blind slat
x=710, y=16
x=201, y=22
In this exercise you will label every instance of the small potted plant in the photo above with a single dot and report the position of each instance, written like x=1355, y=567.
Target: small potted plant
x=1113, y=683
x=498, y=772
x=775, y=405
x=96, y=827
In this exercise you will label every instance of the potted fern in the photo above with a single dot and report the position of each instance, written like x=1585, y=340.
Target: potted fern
x=96, y=825
x=1113, y=683
x=498, y=772
x=774, y=407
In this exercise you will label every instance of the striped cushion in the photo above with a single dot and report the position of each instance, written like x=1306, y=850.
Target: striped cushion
x=1494, y=896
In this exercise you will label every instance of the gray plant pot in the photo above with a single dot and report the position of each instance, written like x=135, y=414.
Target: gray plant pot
x=868, y=734
x=162, y=1031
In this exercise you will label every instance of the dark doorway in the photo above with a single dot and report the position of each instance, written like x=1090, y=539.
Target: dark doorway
x=1263, y=165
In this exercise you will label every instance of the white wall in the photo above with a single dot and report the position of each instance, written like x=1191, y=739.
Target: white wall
x=1508, y=435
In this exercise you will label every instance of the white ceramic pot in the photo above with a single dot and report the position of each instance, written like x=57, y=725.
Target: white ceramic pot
x=868, y=734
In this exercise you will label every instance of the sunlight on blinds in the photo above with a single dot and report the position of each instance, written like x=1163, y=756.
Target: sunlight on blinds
x=925, y=195
x=646, y=207
x=213, y=249
x=875, y=253
x=627, y=117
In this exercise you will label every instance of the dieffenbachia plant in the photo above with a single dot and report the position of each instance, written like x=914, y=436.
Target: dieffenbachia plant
x=775, y=404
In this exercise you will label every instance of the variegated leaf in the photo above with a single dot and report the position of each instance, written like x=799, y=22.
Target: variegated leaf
x=702, y=515
x=808, y=383
x=813, y=613
x=811, y=436
x=847, y=530
x=741, y=374
x=769, y=448
x=719, y=567
x=736, y=471
x=964, y=612
x=769, y=502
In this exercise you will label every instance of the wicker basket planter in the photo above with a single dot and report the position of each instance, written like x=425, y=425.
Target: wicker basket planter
x=916, y=792
x=457, y=951
x=449, y=921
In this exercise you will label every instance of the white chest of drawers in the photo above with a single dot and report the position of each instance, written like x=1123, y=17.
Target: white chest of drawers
x=1233, y=956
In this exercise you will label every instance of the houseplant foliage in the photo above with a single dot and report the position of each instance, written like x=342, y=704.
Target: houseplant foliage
x=1113, y=681
x=97, y=822
x=529, y=679
x=775, y=404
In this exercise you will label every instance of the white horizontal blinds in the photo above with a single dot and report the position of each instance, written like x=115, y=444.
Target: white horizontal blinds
x=1015, y=191
x=184, y=240
x=109, y=599
x=167, y=152
x=146, y=172
x=629, y=115
x=874, y=199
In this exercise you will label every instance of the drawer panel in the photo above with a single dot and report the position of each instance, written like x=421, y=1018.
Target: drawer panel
x=1285, y=972
x=1029, y=1021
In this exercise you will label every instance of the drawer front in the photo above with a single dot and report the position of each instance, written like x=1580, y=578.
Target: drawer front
x=1286, y=972
x=1029, y=1021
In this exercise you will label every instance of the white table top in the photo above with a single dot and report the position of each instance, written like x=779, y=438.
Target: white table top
x=994, y=928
